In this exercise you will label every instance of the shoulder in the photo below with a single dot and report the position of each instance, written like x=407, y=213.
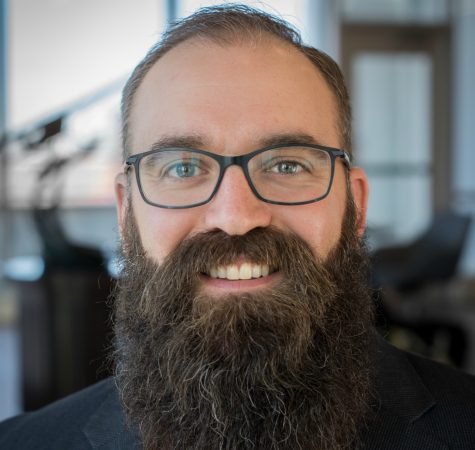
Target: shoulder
x=453, y=392
x=447, y=385
x=428, y=399
x=444, y=381
x=59, y=425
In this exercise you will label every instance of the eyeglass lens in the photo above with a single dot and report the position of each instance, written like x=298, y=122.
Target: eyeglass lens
x=184, y=177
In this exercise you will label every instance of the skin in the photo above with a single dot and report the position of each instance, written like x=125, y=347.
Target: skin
x=233, y=99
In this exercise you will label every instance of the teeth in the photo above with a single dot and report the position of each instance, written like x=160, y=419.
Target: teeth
x=245, y=272
x=265, y=270
x=232, y=273
x=256, y=271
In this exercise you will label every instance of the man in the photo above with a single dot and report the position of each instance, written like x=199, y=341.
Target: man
x=243, y=314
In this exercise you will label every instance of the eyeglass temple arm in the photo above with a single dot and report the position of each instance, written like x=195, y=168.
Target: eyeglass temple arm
x=346, y=159
x=128, y=163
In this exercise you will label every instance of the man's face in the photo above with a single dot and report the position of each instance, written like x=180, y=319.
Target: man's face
x=277, y=361
x=231, y=100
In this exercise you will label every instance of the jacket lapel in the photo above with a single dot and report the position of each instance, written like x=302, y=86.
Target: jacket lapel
x=107, y=428
x=401, y=400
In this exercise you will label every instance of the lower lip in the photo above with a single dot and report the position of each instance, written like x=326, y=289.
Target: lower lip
x=239, y=285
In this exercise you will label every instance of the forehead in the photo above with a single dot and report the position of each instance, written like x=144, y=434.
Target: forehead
x=232, y=97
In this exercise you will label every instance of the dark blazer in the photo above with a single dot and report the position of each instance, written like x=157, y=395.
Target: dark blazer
x=423, y=405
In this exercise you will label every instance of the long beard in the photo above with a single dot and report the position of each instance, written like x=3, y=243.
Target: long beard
x=281, y=368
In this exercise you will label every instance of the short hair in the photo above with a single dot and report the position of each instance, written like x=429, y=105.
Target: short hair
x=229, y=24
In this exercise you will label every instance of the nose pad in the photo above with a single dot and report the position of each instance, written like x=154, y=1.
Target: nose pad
x=235, y=209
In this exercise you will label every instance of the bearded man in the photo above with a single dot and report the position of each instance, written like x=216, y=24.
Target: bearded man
x=243, y=315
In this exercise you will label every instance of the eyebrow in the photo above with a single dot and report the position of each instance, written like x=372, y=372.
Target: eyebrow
x=189, y=141
x=197, y=141
x=290, y=138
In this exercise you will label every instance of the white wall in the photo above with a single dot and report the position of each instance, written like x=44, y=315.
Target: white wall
x=63, y=50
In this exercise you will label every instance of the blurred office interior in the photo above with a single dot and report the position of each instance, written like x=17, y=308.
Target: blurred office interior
x=410, y=66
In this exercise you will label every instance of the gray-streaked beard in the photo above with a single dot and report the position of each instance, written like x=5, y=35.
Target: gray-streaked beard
x=281, y=368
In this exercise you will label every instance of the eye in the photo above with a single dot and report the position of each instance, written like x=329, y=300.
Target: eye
x=183, y=170
x=286, y=167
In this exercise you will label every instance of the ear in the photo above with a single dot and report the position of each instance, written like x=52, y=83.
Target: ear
x=360, y=190
x=122, y=198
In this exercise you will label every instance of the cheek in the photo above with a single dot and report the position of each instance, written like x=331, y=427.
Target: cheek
x=320, y=230
x=161, y=230
x=319, y=224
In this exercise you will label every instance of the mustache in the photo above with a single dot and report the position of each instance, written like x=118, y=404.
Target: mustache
x=178, y=275
x=198, y=254
x=304, y=274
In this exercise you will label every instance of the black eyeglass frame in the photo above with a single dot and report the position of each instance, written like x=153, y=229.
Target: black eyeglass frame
x=241, y=161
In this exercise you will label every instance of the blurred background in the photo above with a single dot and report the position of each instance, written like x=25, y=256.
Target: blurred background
x=410, y=67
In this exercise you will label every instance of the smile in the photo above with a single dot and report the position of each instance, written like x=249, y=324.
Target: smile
x=244, y=271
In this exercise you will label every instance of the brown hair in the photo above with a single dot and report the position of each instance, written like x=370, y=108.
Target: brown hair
x=228, y=24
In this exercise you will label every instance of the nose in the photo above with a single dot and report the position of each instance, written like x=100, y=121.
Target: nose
x=235, y=209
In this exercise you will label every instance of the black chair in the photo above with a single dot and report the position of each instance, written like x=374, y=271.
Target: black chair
x=403, y=275
x=432, y=257
x=64, y=315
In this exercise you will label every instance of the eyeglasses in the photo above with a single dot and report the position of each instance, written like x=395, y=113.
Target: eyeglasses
x=285, y=174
